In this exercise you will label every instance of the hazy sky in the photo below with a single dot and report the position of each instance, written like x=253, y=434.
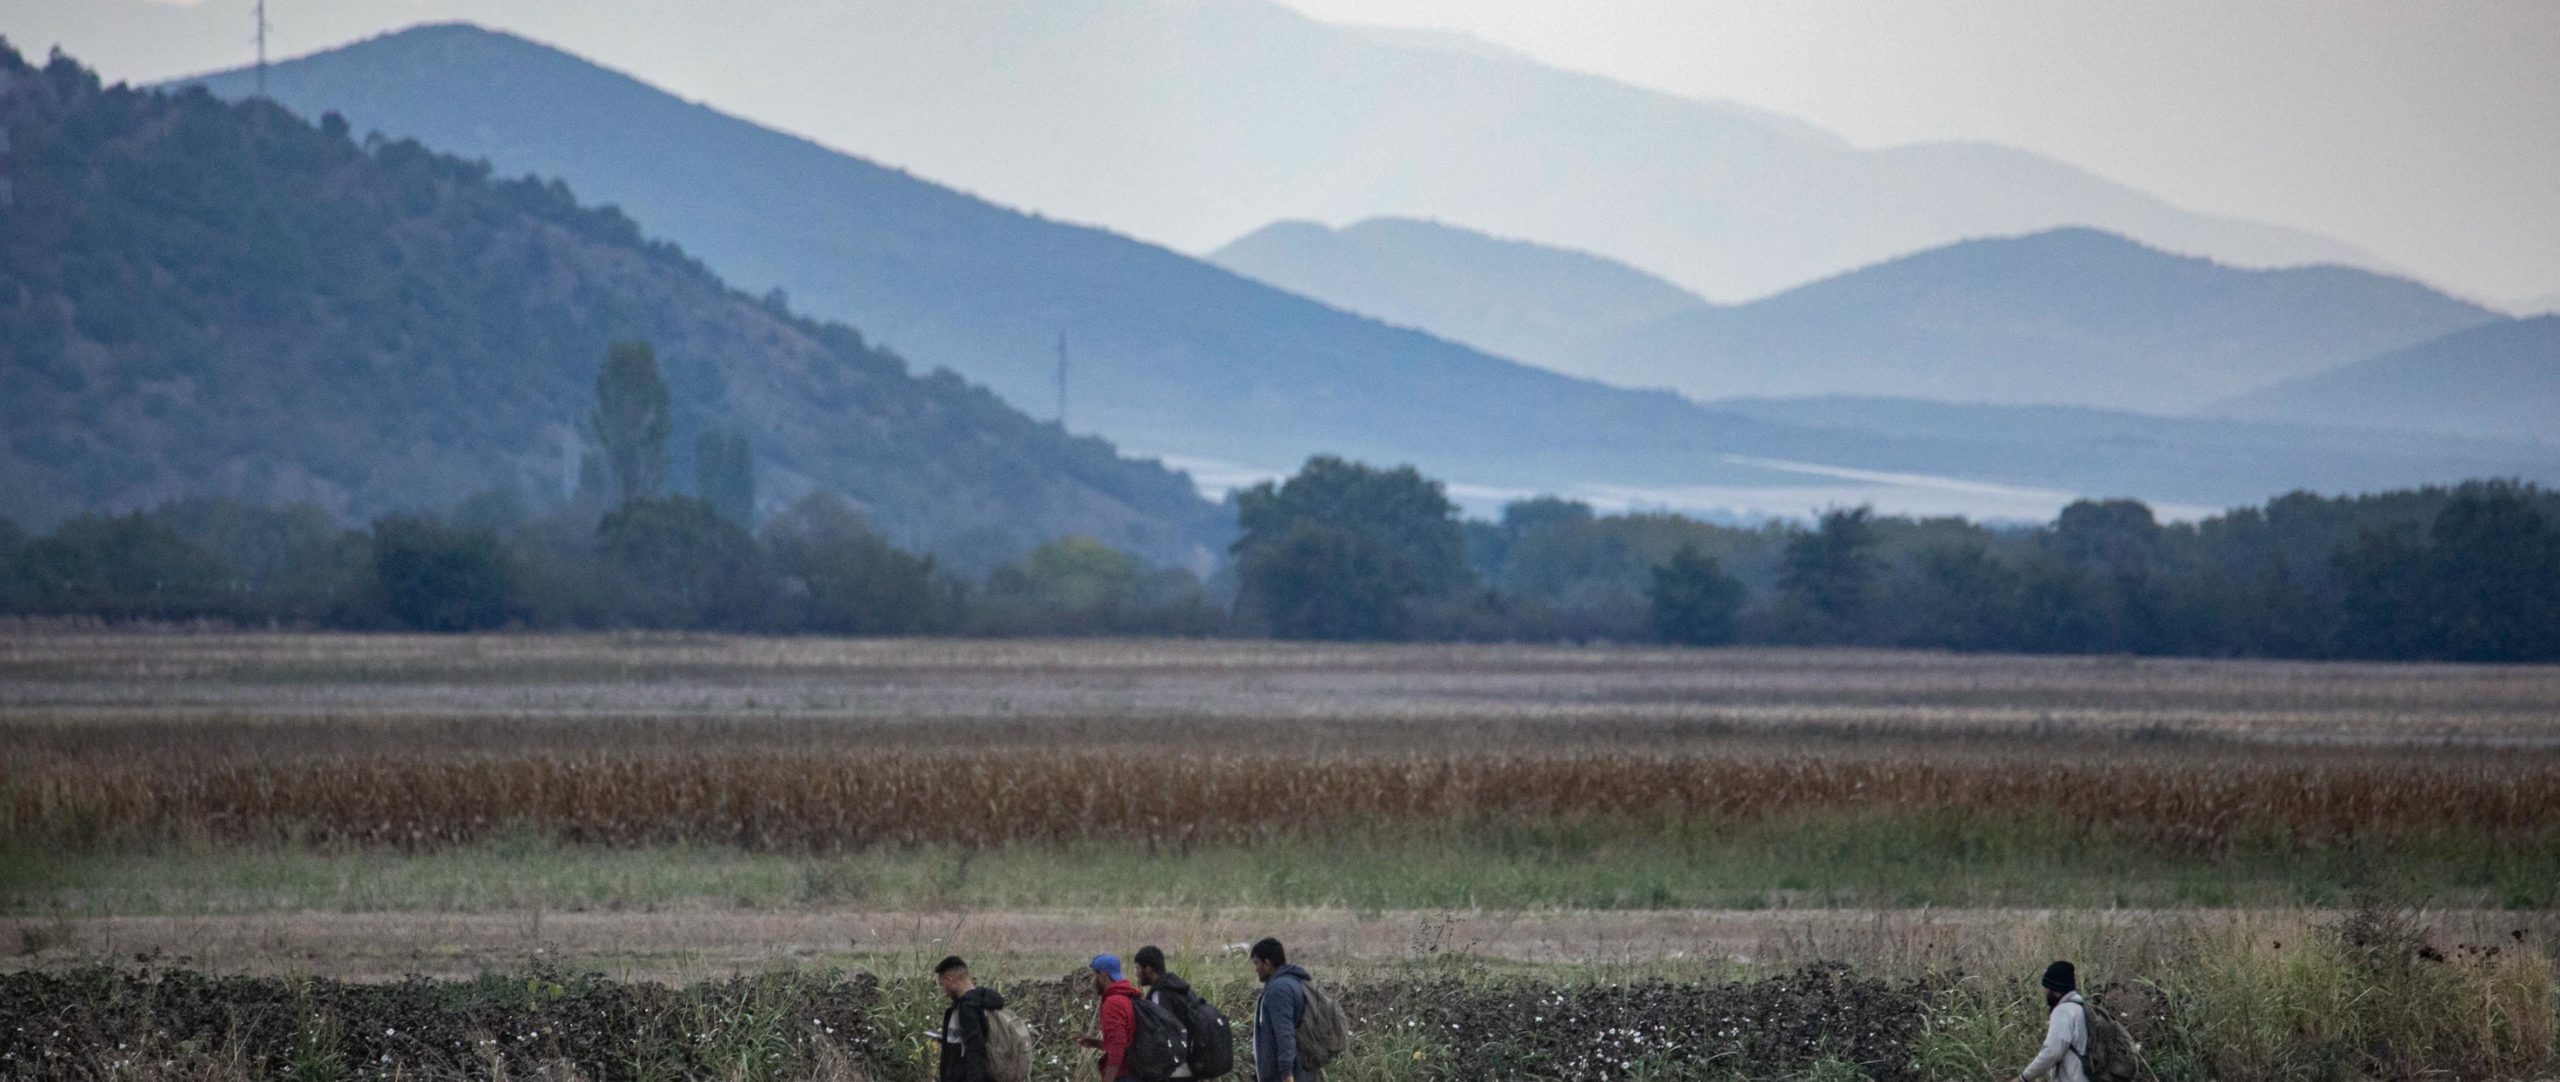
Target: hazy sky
x=2427, y=132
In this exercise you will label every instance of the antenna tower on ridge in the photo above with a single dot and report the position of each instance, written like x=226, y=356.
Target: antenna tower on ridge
x=262, y=48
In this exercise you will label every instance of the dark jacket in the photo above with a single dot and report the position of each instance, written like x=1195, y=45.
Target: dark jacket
x=1276, y=1018
x=964, y=1036
x=1174, y=995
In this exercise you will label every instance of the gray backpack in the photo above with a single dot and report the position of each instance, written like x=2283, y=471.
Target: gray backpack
x=1321, y=1034
x=2110, y=1054
x=1008, y=1047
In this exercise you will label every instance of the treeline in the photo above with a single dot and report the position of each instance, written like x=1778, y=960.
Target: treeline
x=1347, y=551
x=2466, y=573
x=664, y=562
x=1339, y=551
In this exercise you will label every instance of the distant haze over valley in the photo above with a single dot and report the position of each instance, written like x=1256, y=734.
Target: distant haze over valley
x=2072, y=317
x=1190, y=123
x=1171, y=356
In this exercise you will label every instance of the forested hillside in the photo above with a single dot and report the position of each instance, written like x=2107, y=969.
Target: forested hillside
x=206, y=298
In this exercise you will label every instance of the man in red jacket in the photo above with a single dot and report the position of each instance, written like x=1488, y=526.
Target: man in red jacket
x=1116, y=1018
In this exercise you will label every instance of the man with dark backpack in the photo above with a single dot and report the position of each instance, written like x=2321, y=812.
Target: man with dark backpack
x=1138, y=1040
x=1296, y=1029
x=2081, y=1042
x=1212, y=1041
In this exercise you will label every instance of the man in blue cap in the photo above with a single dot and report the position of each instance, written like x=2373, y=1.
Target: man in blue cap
x=1116, y=1018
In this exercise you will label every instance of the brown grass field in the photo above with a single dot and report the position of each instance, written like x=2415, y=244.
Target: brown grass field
x=406, y=743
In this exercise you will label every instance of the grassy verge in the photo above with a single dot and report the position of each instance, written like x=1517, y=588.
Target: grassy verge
x=2367, y=993
x=1835, y=861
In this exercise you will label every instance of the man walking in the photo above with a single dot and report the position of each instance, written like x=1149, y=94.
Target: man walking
x=1167, y=991
x=1115, y=1020
x=1278, y=1016
x=2065, y=1055
x=964, y=1024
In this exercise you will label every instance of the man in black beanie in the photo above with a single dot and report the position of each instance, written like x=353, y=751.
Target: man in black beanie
x=2065, y=1055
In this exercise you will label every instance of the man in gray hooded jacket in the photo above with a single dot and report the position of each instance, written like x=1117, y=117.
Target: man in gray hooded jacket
x=2065, y=1055
x=1276, y=1018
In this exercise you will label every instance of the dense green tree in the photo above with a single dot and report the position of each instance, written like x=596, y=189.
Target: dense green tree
x=121, y=566
x=632, y=420
x=676, y=563
x=1829, y=574
x=1490, y=544
x=724, y=474
x=1078, y=585
x=288, y=563
x=431, y=577
x=1343, y=550
x=2062, y=609
x=1692, y=600
x=1316, y=581
x=2118, y=535
x=1073, y=574
x=13, y=539
x=840, y=577
x=1957, y=596
x=2494, y=577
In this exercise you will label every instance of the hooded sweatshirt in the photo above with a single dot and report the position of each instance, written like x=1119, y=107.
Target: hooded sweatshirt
x=1174, y=995
x=1276, y=1018
x=1119, y=1024
x=2065, y=1055
x=964, y=1036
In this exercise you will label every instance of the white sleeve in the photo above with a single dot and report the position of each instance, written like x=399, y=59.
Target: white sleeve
x=2058, y=1032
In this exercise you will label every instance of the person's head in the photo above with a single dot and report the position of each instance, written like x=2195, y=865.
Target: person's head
x=1150, y=963
x=1268, y=957
x=953, y=976
x=2059, y=980
x=1105, y=969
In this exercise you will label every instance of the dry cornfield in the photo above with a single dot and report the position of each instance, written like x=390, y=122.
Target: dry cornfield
x=821, y=745
x=852, y=798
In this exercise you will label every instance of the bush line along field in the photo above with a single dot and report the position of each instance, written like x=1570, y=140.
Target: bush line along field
x=2364, y=996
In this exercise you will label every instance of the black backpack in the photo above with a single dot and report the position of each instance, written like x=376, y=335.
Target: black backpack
x=1157, y=1046
x=1213, y=1041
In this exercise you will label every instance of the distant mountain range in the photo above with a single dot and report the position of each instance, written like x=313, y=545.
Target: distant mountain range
x=2063, y=317
x=2066, y=317
x=2499, y=380
x=1548, y=306
x=1164, y=353
x=1131, y=113
x=1169, y=355
x=210, y=298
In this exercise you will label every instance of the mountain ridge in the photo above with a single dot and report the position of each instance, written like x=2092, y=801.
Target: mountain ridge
x=2146, y=329
x=2497, y=380
x=1169, y=356
x=1513, y=298
x=1121, y=113
x=2061, y=317
x=379, y=327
